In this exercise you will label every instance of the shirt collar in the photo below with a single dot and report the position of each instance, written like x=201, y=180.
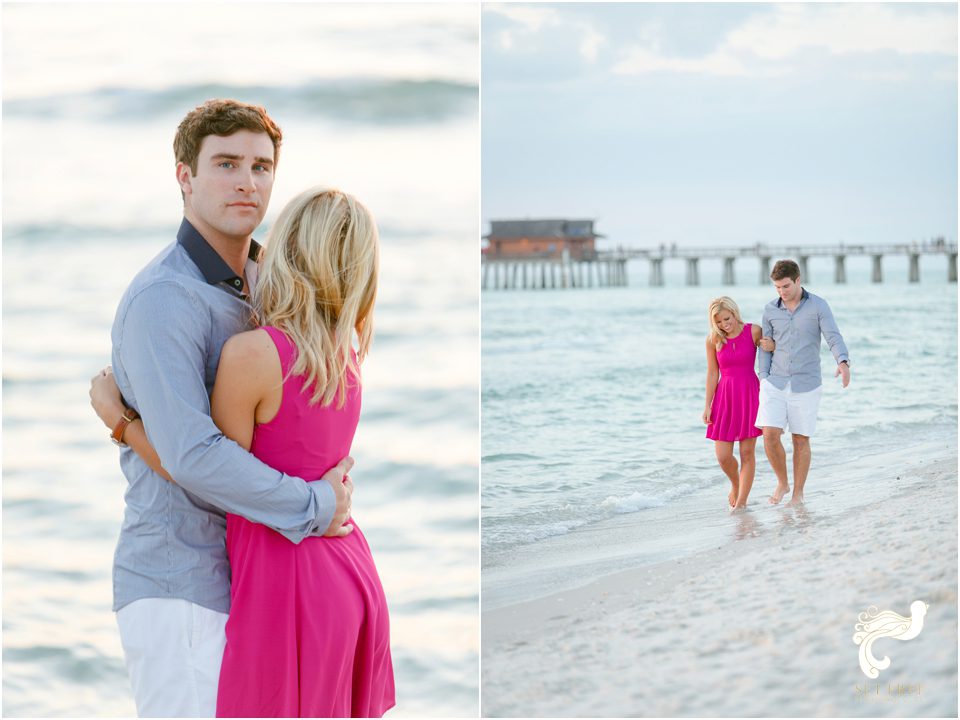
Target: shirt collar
x=215, y=270
x=803, y=296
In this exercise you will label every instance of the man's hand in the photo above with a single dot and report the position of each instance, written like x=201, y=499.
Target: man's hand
x=343, y=490
x=767, y=344
x=105, y=397
x=844, y=370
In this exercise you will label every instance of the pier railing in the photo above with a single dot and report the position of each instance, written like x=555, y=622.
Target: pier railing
x=608, y=268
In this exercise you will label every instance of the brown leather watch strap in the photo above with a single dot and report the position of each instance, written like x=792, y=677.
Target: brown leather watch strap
x=129, y=415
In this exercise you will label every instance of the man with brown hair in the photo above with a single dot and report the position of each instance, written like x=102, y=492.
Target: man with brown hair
x=171, y=575
x=790, y=382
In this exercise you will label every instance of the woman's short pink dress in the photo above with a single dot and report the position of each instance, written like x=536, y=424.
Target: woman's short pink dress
x=737, y=399
x=308, y=633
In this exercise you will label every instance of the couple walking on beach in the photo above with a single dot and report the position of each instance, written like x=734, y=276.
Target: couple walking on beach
x=740, y=407
x=234, y=394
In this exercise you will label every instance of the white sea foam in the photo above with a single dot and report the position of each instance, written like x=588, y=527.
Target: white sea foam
x=631, y=503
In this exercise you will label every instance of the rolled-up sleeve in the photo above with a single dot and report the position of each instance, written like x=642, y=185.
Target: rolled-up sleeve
x=766, y=358
x=831, y=333
x=162, y=347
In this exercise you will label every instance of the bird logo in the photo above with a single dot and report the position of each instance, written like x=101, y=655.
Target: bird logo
x=874, y=625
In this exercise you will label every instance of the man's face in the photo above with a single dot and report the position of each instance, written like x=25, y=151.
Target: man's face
x=231, y=190
x=788, y=289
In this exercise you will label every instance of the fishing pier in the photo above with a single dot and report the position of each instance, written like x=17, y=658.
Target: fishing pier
x=544, y=254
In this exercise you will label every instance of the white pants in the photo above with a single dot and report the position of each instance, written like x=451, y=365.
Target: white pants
x=173, y=650
x=785, y=408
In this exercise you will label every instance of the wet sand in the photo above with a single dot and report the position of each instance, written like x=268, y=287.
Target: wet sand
x=762, y=626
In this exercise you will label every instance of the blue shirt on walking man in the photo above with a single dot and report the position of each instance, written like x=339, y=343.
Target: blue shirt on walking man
x=790, y=380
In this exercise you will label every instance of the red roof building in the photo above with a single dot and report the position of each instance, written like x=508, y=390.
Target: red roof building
x=509, y=239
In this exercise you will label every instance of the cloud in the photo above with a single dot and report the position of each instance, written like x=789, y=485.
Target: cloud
x=523, y=23
x=763, y=44
x=848, y=28
x=640, y=61
x=591, y=43
x=530, y=17
x=526, y=27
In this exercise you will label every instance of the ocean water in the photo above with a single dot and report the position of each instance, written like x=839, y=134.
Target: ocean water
x=594, y=458
x=380, y=101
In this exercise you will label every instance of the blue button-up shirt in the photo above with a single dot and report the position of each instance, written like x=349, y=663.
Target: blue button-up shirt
x=167, y=335
x=796, y=358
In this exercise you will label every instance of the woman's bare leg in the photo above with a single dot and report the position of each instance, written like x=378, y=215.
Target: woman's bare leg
x=728, y=463
x=748, y=468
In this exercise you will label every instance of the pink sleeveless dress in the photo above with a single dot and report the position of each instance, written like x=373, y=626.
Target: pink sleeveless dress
x=737, y=399
x=308, y=633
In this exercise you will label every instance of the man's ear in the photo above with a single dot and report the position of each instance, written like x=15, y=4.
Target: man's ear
x=184, y=176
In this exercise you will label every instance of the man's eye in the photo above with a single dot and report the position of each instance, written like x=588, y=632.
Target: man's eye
x=226, y=163
x=261, y=168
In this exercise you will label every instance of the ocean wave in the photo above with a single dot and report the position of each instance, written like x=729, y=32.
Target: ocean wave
x=373, y=101
x=54, y=232
x=542, y=532
x=632, y=503
x=501, y=457
x=938, y=422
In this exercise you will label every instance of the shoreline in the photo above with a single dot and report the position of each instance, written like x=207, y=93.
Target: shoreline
x=721, y=632
x=691, y=525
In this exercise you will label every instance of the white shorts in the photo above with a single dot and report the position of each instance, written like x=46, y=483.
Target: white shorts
x=787, y=409
x=173, y=650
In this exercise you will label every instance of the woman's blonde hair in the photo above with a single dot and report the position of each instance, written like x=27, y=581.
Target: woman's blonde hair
x=718, y=305
x=317, y=283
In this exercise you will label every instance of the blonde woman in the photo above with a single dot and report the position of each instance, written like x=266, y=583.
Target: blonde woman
x=733, y=392
x=308, y=631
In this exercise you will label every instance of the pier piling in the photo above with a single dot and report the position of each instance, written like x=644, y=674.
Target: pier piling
x=914, y=268
x=840, y=271
x=764, y=269
x=728, y=274
x=656, y=272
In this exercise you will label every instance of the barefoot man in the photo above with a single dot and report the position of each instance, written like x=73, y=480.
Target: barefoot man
x=790, y=382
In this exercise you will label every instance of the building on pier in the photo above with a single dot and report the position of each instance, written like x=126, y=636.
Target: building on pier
x=516, y=239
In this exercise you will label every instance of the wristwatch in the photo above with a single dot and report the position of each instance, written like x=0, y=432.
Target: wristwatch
x=129, y=415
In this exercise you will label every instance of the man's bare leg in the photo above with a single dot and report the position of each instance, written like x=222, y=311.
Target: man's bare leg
x=801, y=466
x=728, y=463
x=748, y=467
x=777, y=457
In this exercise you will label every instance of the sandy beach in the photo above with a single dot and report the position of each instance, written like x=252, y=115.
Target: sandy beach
x=761, y=626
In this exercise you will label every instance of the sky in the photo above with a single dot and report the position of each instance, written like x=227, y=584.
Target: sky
x=723, y=124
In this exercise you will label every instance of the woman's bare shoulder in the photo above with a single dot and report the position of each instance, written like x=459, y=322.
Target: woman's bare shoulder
x=250, y=351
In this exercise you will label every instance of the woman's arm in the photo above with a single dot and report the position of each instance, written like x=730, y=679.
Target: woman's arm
x=108, y=404
x=713, y=377
x=249, y=385
x=764, y=343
